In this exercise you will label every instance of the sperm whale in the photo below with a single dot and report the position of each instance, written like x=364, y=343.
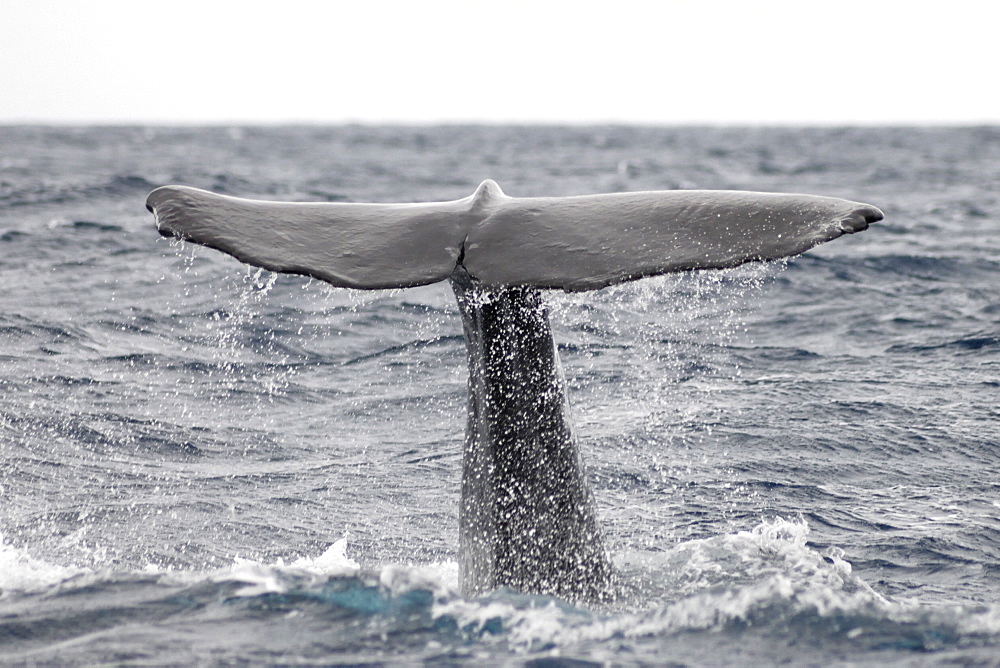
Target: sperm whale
x=527, y=518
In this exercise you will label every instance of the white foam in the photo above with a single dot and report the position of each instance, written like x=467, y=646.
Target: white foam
x=259, y=578
x=717, y=581
x=333, y=562
x=440, y=578
x=19, y=571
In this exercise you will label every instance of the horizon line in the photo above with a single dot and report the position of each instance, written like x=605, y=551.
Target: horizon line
x=405, y=123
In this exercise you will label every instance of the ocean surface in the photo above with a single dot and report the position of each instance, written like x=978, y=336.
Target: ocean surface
x=202, y=463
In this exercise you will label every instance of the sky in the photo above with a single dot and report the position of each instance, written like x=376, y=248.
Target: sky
x=434, y=61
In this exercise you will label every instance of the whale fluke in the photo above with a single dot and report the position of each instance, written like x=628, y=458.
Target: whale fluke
x=527, y=517
x=569, y=243
x=368, y=246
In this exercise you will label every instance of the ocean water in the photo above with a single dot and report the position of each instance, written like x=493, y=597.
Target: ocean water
x=203, y=463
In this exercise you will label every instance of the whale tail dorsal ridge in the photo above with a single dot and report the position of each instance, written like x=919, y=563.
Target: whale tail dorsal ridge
x=570, y=243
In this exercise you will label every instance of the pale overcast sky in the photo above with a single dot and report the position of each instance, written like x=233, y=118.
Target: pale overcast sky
x=753, y=61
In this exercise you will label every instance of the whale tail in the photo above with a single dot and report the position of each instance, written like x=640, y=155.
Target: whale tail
x=527, y=518
x=568, y=243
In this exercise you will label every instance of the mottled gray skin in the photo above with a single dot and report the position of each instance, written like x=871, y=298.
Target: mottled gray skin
x=527, y=518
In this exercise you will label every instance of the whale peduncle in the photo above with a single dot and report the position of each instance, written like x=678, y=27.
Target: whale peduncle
x=527, y=518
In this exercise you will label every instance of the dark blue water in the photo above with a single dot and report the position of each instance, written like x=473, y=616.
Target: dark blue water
x=201, y=463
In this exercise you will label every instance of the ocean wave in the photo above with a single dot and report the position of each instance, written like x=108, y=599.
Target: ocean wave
x=757, y=582
x=21, y=572
x=34, y=192
x=968, y=344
